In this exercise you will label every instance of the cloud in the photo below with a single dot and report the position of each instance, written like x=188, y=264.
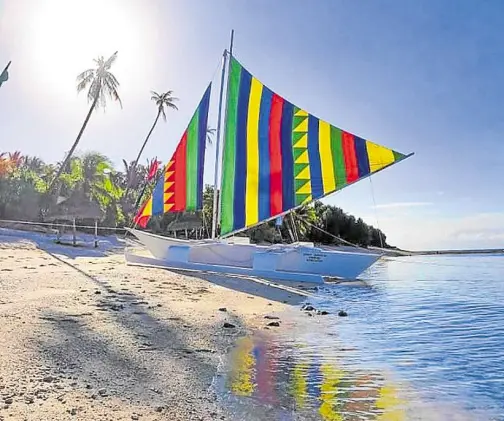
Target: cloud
x=482, y=230
x=402, y=205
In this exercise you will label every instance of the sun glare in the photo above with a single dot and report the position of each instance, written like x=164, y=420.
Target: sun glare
x=64, y=36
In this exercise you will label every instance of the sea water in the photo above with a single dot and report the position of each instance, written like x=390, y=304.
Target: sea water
x=423, y=340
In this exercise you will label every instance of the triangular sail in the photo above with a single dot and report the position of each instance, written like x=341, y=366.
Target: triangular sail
x=180, y=188
x=278, y=156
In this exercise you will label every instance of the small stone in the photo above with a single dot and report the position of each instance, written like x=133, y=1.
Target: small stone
x=323, y=313
x=342, y=313
x=274, y=324
x=29, y=400
x=135, y=417
x=8, y=401
x=308, y=308
x=97, y=292
x=223, y=309
x=159, y=409
x=88, y=386
x=102, y=392
x=48, y=379
x=272, y=317
x=73, y=411
x=159, y=305
x=228, y=325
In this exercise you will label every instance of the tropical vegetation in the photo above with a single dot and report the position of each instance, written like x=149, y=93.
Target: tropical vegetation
x=92, y=178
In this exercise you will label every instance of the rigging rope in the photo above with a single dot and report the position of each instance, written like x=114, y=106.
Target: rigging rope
x=327, y=232
x=376, y=211
x=51, y=224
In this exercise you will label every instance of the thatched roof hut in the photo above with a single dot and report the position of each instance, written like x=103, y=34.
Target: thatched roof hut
x=75, y=208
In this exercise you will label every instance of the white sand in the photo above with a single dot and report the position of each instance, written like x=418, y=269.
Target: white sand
x=90, y=338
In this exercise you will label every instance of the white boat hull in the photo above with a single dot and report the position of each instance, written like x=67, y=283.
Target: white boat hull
x=298, y=263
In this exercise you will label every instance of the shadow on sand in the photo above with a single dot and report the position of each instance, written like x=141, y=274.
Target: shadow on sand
x=47, y=242
x=283, y=293
x=123, y=349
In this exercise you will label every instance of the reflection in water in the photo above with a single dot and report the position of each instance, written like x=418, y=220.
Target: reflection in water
x=288, y=384
x=435, y=323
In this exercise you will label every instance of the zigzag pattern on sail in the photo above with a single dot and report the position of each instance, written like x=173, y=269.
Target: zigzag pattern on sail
x=180, y=188
x=277, y=156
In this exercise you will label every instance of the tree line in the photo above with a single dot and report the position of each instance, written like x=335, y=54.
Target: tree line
x=91, y=177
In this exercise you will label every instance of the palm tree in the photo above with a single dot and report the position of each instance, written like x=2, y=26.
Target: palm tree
x=102, y=84
x=163, y=101
x=209, y=135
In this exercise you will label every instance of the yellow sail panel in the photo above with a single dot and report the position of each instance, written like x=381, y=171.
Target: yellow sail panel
x=379, y=156
x=252, y=178
x=326, y=161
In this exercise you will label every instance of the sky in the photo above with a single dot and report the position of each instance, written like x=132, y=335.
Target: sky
x=422, y=76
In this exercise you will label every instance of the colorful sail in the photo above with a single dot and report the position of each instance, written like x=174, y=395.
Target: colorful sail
x=277, y=156
x=180, y=188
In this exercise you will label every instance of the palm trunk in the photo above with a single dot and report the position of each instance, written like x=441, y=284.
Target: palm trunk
x=72, y=149
x=133, y=169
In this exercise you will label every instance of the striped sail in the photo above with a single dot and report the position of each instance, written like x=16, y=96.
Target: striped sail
x=180, y=188
x=278, y=156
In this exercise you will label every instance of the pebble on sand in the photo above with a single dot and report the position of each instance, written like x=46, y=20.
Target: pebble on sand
x=228, y=325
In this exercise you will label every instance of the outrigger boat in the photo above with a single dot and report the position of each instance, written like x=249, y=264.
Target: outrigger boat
x=276, y=157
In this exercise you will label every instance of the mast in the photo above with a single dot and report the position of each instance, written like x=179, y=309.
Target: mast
x=215, y=210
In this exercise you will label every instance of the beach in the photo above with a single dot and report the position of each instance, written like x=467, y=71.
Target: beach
x=84, y=336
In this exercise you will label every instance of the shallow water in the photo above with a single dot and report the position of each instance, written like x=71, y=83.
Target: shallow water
x=423, y=341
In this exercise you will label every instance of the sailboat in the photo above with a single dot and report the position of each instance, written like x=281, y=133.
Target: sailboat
x=276, y=157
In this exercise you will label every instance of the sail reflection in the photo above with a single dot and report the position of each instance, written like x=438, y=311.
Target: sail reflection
x=289, y=384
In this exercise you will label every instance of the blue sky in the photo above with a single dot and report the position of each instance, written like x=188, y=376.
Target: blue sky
x=421, y=76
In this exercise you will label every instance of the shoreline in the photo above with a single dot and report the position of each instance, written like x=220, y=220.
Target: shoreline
x=92, y=338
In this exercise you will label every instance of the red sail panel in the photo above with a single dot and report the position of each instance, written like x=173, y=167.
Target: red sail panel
x=352, y=169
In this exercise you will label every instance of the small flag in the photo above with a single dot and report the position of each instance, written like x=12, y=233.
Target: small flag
x=4, y=76
x=154, y=166
x=143, y=216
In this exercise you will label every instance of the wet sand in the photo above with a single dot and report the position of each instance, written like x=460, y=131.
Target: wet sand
x=90, y=338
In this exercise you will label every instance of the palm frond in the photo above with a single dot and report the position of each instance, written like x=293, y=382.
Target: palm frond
x=84, y=79
x=110, y=61
x=111, y=86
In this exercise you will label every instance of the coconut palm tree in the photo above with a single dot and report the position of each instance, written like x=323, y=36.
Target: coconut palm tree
x=163, y=101
x=102, y=85
x=209, y=135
